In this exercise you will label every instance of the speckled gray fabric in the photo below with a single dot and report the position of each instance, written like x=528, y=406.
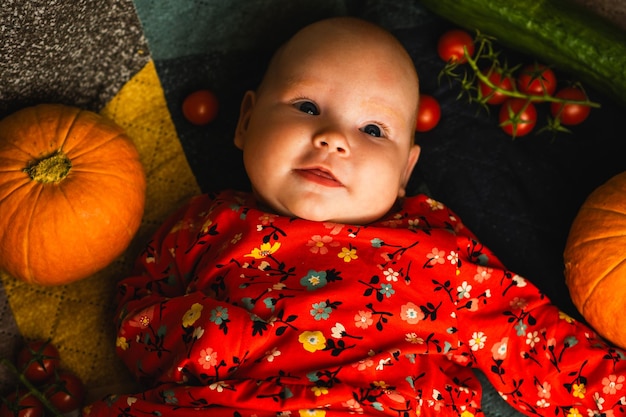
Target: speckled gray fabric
x=76, y=52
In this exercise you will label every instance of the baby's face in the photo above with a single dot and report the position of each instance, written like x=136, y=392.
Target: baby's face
x=329, y=134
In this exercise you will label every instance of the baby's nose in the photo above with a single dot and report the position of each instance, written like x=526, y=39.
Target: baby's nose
x=332, y=141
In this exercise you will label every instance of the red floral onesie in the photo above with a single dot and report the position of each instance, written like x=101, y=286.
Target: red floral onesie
x=234, y=312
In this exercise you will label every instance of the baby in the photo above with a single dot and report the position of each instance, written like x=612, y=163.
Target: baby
x=327, y=291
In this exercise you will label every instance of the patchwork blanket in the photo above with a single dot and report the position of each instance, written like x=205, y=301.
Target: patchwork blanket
x=134, y=61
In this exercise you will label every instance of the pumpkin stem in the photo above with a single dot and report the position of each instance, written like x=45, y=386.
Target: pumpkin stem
x=50, y=169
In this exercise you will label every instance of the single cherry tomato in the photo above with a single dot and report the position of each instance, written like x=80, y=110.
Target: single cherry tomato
x=428, y=113
x=21, y=404
x=200, y=107
x=517, y=117
x=38, y=360
x=451, y=43
x=66, y=393
x=570, y=114
x=536, y=79
x=500, y=81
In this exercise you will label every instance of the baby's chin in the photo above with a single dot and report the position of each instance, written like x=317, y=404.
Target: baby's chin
x=325, y=216
x=321, y=211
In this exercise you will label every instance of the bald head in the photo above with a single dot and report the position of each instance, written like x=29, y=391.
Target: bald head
x=343, y=41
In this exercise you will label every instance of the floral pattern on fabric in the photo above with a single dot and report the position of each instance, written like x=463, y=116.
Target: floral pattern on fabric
x=237, y=312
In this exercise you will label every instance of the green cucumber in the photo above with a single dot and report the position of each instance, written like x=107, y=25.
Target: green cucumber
x=558, y=32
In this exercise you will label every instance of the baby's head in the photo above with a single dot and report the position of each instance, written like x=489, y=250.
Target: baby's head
x=328, y=135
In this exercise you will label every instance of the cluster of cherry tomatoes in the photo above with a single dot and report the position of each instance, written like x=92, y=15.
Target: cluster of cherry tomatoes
x=517, y=90
x=45, y=389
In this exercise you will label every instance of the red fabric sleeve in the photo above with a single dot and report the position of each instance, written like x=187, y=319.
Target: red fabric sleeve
x=527, y=348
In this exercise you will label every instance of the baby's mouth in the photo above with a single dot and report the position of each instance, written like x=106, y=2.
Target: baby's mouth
x=319, y=176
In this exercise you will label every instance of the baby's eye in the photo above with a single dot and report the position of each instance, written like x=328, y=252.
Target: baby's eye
x=308, y=107
x=373, y=130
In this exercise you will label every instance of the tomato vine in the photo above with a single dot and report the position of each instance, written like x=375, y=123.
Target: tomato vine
x=488, y=79
x=32, y=389
x=42, y=389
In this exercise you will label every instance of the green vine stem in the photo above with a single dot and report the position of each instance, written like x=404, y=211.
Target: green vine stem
x=31, y=388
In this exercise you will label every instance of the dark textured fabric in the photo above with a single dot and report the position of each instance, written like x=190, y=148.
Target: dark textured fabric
x=519, y=196
x=9, y=339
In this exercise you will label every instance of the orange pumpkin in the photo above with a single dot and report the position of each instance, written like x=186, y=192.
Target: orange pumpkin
x=595, y=260
x=72, y=193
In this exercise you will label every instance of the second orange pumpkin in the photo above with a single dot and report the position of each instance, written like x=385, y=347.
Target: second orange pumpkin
x=595, y=259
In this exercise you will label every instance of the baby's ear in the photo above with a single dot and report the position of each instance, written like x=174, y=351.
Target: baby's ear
x=414, y=154
x=245, y=112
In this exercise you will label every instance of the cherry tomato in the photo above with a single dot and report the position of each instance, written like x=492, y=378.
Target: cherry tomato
x=38, y=360
x=536, y=79
x=451, y=43
x=570, y=114
x=66, y=393
x=200, y=107
x=428, y=114
x=21, y=404
x=517, y=117
x=501, y=81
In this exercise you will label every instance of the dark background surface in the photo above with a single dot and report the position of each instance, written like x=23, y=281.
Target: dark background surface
x=519, y=196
